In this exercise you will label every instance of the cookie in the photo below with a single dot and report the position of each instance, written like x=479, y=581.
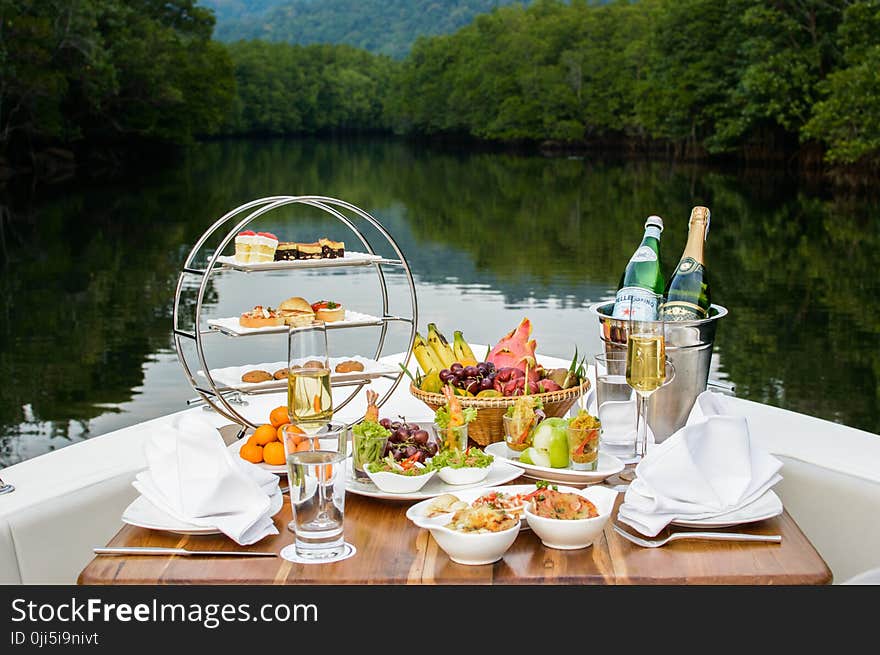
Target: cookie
x=280, y=374
x=256, y=376
x=349, y=366
x=313, y=363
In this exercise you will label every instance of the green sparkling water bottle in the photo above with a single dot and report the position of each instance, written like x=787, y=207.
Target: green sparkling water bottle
x=642, y=280
x=687, y=294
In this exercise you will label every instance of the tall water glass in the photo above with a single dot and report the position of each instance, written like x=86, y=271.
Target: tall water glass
x=615, y=406
x=317, y=499
x=645, y=369
x=309, y=398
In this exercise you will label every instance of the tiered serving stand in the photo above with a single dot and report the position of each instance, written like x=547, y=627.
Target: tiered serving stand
x=202, y=263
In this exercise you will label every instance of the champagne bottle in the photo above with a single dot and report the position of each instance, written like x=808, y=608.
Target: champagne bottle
x=642, y=280
x=687, y=293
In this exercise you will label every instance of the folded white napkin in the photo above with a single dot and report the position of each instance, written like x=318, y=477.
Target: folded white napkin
x=707, y=468
x=193, y=477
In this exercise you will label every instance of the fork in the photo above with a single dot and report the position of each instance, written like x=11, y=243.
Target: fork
x=713, y=536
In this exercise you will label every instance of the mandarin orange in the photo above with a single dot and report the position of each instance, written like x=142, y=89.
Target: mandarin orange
x=264, y=434
x=278, y=416
x=252, y=453
x=273, y=453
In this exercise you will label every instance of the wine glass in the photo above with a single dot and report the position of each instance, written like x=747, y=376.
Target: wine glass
x=646, y=365
x=309, y=398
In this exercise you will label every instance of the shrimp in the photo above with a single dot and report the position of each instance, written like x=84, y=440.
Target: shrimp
x=372, y=413
x=456, y=416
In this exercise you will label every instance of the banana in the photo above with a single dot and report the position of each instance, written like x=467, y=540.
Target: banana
x=462, y=350
x=440, y=346
x=425, y=356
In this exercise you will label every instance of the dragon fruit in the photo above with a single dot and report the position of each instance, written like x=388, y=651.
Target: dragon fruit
x=514, y=350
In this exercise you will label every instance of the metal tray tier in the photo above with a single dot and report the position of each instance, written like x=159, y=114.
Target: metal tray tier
x=198, y=268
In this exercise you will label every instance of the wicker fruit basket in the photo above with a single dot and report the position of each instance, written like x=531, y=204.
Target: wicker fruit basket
x=488, y=427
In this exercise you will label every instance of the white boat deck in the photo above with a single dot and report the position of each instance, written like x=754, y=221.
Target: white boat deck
x=70, y=500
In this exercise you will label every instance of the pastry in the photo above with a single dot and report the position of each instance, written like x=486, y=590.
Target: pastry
x=349, y=366
x=264, y=247
x=313, y=363
x=256, y=376
x=328, y=311
x=296, y=311
x=260, y=317
x=331, y=249
x=280, y=374
x=244, y=246
x=286, y=251
x=308, y=251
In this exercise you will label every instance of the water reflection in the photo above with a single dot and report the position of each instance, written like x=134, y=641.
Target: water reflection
x=88, y=275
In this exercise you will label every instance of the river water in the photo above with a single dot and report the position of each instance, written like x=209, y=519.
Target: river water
x=89, y=273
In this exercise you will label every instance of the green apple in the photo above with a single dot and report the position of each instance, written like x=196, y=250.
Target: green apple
x=550, y=443
x=535, y=457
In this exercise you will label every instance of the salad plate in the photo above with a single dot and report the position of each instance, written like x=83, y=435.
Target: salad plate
x=141, y=513
x=499, y=473
x=764, y=507
x=608, y=465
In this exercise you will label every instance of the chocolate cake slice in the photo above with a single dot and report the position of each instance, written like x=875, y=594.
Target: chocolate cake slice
x=332, y=249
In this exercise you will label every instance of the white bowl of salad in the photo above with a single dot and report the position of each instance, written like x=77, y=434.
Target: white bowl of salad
x=404, y=477
x=567, y=518
x=459, y=467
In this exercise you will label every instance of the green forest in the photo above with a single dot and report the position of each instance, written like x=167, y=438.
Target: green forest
x=387, y=27
x=696, y=79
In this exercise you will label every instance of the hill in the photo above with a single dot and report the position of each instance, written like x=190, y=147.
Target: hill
x=387, y=27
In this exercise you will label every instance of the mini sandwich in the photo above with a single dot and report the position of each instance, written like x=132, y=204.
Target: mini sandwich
x=328, y=311
x=260, y=317
x=296, y=311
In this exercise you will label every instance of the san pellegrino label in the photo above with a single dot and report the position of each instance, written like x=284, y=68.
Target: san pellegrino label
x=687, y=293
x=641, y=283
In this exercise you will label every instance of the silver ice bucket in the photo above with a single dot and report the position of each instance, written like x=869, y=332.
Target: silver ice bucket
x=689, y=347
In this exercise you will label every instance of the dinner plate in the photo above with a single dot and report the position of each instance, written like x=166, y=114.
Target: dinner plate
x=230, y=325
x=235, y=446
x=230, y=376
x=499, y=473
x=608, y=465
x=764, y=507
x=143, y=514
x=348, y=259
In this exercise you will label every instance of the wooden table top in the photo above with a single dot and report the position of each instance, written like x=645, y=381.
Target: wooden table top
x=392, y=550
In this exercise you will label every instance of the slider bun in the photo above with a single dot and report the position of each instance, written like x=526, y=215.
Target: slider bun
x=296, y=304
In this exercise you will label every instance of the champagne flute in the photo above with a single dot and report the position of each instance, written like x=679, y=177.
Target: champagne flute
x=309, y=398
x=645, y=366
x=309, y=408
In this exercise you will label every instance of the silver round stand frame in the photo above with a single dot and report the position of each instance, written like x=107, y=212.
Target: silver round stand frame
x=199, y=269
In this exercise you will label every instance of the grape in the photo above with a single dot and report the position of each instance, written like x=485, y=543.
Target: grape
x=410, y=451
x=486, y=383
x=431, y=448
x=402, y=434
x=470, y=371
x=473, y=386
x=456, y=367
x=385, y=423
x=490, y=366
x=446, y=375
x=387, y=450
x=482, y=369
x=394, y=425
x=422, y=456
x=412, y=427
x=420, y=437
